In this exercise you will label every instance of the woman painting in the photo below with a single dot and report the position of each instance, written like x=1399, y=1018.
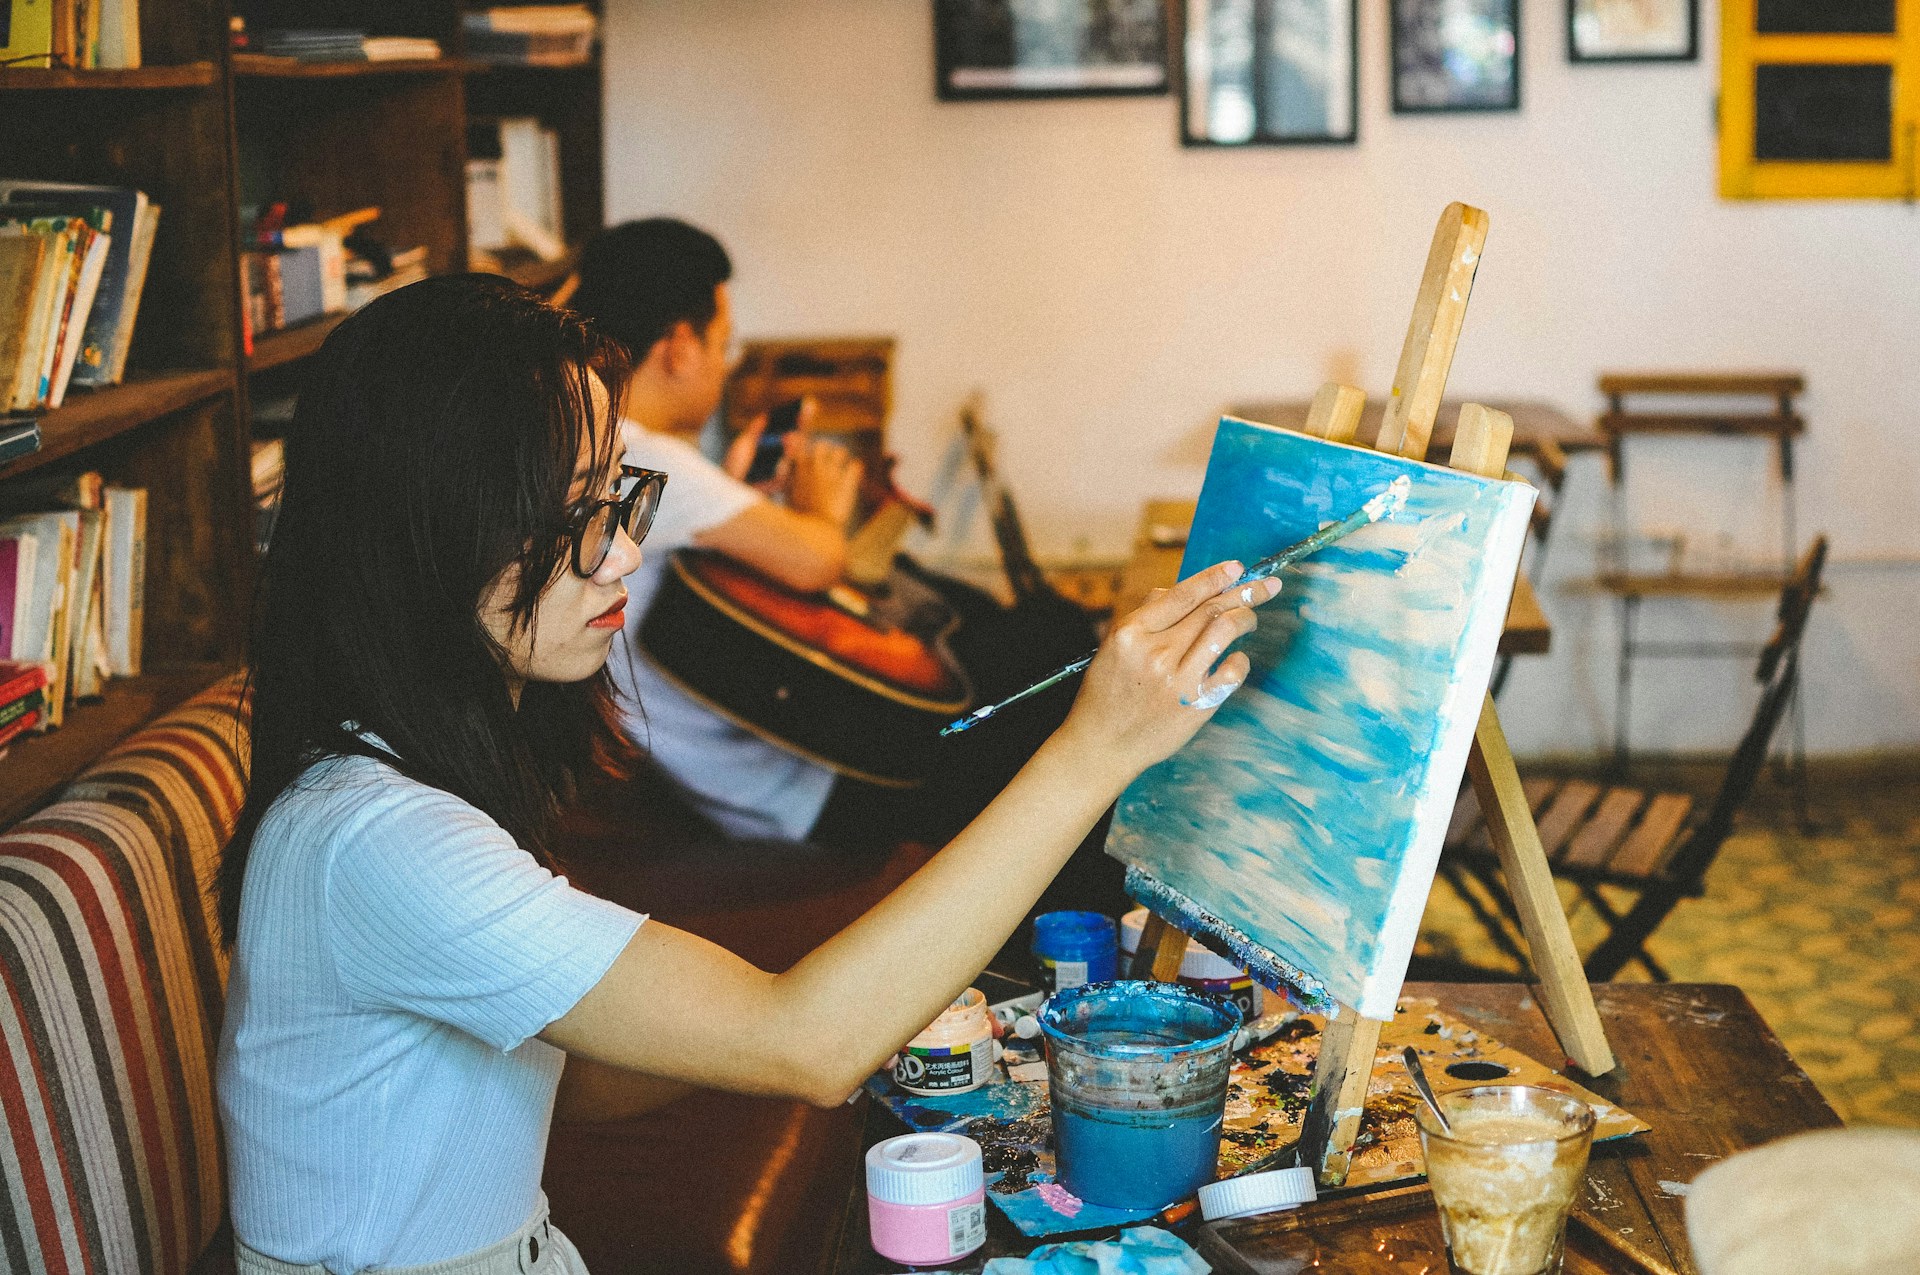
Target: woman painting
x=409, y=972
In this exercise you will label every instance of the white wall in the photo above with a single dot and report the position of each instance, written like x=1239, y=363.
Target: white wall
x=1111, y=291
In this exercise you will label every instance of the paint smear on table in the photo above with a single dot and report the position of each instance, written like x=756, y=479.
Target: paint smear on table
x=1308, y=814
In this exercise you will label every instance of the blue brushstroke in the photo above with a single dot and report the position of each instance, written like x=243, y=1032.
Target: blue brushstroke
x=1306, y=817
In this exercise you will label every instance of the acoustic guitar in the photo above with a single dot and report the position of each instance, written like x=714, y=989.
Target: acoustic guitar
x=859, y=678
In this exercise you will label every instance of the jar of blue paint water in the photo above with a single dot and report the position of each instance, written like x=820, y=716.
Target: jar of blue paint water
x=1137, y=1074
x=1075, y=948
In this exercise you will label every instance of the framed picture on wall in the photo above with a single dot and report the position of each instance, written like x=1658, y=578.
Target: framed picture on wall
x=1633, y=30
x=1280, y=72
x=1456, y=55
x=1048, y=48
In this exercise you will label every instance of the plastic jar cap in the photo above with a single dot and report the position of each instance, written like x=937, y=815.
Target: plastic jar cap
x=1257, y=1193
x=1072, y=927
x=1200, y=961
x=924, y=1168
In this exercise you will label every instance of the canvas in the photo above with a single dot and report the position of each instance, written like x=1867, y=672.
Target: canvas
x=1307, y=816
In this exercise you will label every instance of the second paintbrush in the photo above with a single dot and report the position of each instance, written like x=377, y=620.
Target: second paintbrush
x=1373, y=511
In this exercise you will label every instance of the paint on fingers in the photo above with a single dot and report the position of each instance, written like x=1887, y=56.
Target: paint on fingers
x=1208, y=700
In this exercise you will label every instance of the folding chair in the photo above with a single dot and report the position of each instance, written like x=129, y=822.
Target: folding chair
x=1656, y=844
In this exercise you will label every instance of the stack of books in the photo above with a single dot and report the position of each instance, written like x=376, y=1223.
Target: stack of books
x=73, y=261
x=336, y=44
x=72, y=585
x=531, y=34
x=75, y=34
x=23, y=699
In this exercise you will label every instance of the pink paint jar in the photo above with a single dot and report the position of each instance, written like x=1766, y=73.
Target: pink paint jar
x=926, y=1198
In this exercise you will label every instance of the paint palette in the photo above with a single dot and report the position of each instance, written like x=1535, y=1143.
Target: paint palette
x=1266, y=1098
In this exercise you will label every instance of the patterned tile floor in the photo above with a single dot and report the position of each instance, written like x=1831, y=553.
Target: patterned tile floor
x=1821, y=930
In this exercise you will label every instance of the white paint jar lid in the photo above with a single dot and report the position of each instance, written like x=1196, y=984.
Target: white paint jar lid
x=924, y=1168
x=1257, y=1193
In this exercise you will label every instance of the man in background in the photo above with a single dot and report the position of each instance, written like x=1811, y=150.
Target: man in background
x=659, y=287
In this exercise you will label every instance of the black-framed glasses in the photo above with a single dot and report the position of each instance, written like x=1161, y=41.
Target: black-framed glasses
x=593, y=529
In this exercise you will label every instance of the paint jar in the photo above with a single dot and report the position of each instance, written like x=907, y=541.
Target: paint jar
x=1075, y=948
x=1137, y=1074
x=1201, y=968
x=953, y=1055
x=926, y=1202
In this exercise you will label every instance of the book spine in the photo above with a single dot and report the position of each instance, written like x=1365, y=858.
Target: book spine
x=30, y=678
x=13, y=710
x=9, y=733
x=145, y=224
x=81, y=309
x=126, y=577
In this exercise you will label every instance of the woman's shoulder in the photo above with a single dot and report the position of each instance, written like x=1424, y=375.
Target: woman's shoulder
x=356, y=801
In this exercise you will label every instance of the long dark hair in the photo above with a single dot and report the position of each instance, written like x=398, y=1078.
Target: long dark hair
x=433, y=448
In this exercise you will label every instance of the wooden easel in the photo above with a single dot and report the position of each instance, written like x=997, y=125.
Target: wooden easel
x=1348, y=1044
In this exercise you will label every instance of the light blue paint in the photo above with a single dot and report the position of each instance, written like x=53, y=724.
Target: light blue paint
x=1308, y=814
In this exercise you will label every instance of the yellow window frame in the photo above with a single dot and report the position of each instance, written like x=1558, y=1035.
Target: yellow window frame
x=1743, y=50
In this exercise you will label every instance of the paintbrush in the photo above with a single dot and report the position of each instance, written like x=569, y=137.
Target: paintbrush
x=1373, y=511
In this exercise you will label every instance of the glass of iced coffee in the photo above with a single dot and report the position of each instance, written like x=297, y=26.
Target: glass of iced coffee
x=1504, y=1175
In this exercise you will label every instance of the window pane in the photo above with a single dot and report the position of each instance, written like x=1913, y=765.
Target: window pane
x=1825, y=17
x=1816, y=112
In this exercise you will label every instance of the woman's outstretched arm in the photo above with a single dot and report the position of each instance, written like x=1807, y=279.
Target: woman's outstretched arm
x=678, y=1006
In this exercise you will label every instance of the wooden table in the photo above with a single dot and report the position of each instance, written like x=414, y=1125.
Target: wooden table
x=1696, y=1062
x=1161, y=541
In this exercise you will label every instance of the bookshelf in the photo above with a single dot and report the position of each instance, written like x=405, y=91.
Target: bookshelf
x=207, y=134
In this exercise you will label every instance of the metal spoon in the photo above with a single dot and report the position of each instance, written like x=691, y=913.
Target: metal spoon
x=1411, y=1057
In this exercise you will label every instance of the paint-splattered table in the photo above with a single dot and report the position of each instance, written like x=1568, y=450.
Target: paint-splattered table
x=1696, y=1062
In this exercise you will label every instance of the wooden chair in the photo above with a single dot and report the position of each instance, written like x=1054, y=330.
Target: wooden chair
x=1654, y=843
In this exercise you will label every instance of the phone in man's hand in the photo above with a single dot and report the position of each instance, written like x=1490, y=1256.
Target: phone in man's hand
x=781, y=421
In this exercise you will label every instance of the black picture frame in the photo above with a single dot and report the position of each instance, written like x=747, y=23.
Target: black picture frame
x=1418, y=57
x=1267, y=88
x=1120, y=47
x=1586, y=47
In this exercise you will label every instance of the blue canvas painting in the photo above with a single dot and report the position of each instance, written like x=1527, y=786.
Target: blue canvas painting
x=1307, y=816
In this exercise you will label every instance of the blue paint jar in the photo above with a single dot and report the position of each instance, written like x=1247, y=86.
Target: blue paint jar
x=1137, y=1074
x=1074, y=948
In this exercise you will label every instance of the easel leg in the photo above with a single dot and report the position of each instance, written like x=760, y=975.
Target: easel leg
x=1339, y=1093
x=1163, y=946
x=1564, y=992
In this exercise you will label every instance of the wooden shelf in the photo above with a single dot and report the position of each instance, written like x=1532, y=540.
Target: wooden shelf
x=92, y=416
x=187, y=75
x=261, y=66
x=291, y=344
x=1736, y=584
x=37, y=767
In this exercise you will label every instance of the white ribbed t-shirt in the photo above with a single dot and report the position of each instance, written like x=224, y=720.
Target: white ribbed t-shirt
x=383, y=1099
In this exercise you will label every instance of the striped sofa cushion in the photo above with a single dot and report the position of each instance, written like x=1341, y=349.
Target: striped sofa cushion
x=111, y=982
